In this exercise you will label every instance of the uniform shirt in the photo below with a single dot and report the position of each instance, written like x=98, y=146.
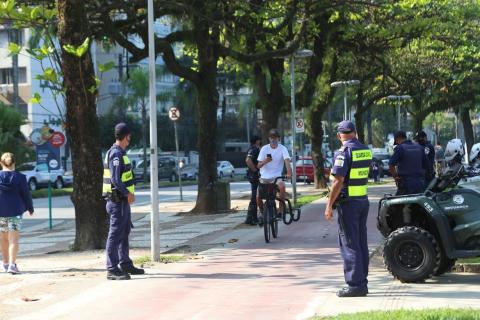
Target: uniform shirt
x=253, y=153
x=410, y=159
x=274, y=168
x=117, y=167
x=430, y=153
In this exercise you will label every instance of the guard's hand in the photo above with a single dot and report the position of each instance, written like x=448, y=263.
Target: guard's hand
x=131, y=198
x=328, y=213
x=30, y=213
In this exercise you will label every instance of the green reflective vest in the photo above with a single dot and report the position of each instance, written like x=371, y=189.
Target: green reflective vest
x=127, y=176
x=360, y=167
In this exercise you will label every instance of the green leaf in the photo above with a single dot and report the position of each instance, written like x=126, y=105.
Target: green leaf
x=14, y=49
x=70, y=49
x=50, y=75
x=106, y=67
x=35, y=13
x=37, y=98
x=83, y=48
x=46, y=50
x=77, y=51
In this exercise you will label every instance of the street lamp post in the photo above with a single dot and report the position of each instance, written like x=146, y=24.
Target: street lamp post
x=345, y=84
x=154, y=232
x=398, y=99
x=305, y=53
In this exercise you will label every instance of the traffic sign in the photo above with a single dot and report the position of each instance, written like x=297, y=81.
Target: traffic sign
x=174, y=114
x=299, y=126
x=57, y=139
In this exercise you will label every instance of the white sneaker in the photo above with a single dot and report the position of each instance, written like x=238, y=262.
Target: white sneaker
x=5, y=267
x=12, y=268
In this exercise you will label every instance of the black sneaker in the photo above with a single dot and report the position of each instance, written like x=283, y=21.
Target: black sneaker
x=131, y=269
x=117, y=275
x=352, y=292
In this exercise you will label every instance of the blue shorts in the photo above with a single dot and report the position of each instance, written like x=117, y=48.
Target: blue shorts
x=10, y=223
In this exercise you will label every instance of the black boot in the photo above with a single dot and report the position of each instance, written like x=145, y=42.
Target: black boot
x=117, y=275
x=251, y=215
x=131, y=269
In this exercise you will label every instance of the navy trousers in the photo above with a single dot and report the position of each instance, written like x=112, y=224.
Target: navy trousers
x=117, y=241
x=411, y=185
x=352, y=236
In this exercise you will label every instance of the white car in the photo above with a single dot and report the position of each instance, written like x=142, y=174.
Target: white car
x=38, y=175
x=225, y=169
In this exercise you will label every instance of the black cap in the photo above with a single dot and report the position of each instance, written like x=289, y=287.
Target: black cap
x=254, y=139
x=273, y=133
x=121, y=131
x=420, y=134
x=399, y=134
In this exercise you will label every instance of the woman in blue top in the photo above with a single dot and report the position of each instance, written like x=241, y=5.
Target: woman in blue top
x=15, y=200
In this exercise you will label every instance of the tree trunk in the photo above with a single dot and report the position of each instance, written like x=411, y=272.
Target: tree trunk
x=316, y=140
x=467, y=127
x=369, y=127
x=82, y=129
x=207, y=117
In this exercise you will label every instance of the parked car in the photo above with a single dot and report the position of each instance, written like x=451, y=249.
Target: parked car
x=188, y=172
x=166, y=169
x=304, y=169
x=225, y=169
x=382, y=159
x=38, y=175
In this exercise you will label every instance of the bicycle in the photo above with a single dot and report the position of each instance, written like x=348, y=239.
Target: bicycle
x=268, y=190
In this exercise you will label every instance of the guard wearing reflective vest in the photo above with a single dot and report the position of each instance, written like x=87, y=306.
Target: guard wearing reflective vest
x=349, y=196
x=119, y=190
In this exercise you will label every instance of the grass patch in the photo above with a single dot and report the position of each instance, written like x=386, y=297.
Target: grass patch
x=432, y=314
x=303, y=200
x=469, y=260
x=43, y=193
x=164, y=258
x=166, y=184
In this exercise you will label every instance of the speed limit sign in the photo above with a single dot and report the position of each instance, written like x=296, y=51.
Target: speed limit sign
x=174, y=114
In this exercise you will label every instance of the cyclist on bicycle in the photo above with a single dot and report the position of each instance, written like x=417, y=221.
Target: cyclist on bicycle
x=271, y=160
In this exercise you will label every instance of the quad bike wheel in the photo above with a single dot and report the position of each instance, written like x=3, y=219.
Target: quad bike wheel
x=411, y=254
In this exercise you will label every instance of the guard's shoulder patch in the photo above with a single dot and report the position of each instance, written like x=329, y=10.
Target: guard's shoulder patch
x=339, y=161
x=116, y=161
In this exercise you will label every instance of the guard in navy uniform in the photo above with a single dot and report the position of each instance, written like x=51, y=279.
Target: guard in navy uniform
x=408, y=165
x=119, y=190
x=349, y=195
x=253, y=175
x=421, y=139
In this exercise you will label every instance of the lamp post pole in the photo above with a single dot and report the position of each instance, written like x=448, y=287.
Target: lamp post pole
x=305, y=53
x=154, y=227
x=292, y=110
x=398, y=99
x=345, y=84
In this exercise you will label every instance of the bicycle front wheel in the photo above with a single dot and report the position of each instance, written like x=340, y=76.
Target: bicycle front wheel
x=266, y=223
x=274, y=222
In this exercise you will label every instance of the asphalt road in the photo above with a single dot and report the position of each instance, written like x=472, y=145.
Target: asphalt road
x=62, y=207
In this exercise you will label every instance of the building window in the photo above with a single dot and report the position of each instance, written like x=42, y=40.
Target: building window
x=5, y=37
x=6, y=75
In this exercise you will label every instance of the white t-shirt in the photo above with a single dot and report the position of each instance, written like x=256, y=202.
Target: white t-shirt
x=274, y=168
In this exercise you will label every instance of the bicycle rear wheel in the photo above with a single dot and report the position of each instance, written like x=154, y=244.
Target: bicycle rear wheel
x=288, y=212
x=266, y=222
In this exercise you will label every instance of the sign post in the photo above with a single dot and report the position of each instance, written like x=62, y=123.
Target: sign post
x=174, y=115
x=48, y=143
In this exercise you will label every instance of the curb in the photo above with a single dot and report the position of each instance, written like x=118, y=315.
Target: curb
x=467, y=267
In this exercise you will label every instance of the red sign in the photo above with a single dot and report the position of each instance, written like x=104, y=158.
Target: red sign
x=57, y=139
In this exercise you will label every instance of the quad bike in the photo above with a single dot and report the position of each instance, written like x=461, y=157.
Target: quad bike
x=425, y=233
